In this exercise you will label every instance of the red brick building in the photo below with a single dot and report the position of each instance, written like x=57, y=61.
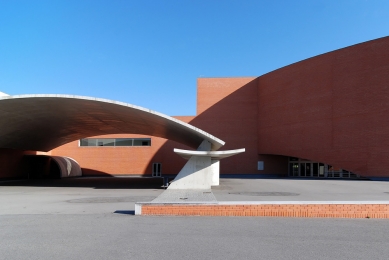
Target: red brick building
x=326, y=116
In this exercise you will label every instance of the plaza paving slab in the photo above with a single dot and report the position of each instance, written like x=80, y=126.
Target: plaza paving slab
x=107, y=195
x=76, y=195
x=301, y=190
x=121, y=236
x=185, y=196
x=92, y=218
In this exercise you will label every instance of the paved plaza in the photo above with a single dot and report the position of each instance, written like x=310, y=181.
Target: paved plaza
x=301, y=190
x=107, y=195
x=92, y=218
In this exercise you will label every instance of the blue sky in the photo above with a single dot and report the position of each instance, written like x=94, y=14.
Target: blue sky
x=150, y=53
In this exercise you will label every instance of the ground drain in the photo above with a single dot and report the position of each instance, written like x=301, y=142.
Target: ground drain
x=272, y=193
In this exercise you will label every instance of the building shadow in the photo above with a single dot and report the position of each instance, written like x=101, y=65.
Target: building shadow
x=92, y=182
x=234, y=119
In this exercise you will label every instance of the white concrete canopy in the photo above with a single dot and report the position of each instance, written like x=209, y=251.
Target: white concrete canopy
x=212, y=171
x=202, y=169
x=43, y=122
x=215, y=155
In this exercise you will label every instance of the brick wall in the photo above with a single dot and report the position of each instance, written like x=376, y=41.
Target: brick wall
x=125, y=160
x=271, y=210
x=227, y=108
x=332, y=108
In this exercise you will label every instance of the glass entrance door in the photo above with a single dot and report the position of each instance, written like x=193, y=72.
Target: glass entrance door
x=308, y=169
x=315, y=170
x=304, y=168
x=294, y=169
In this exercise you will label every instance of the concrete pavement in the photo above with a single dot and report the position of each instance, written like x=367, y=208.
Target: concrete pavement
x=301, y=190
x=92, y=218
x=107, y=195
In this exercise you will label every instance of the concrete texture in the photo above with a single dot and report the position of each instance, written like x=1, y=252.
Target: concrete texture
x=196, y=174
x=214, y=166
x=102, y=195
x=122, y=236
x=44, y=122
x=283, y=197
x=213, y=154
x=183, y=196
x=76, y=195
x=300, y=190
x=69, y=167
x=202, y=169
x=92, y=218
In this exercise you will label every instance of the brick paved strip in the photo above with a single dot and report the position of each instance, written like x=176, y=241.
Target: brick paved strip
x=298, y=209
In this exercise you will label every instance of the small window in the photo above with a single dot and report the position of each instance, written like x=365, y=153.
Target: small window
x=124, y=142
x=115, y=142
x=142, y=142
x=88, y=142
x=260, y=165
x=106, y=142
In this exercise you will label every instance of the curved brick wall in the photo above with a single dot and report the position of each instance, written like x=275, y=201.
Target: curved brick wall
x=333, y=108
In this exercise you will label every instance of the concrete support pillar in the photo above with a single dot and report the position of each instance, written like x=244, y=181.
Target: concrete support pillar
x=202, y=169
x=215, y=172
x=196, y=174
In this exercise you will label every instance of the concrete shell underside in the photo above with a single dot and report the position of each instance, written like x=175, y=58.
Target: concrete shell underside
x=43, y=122
x=332, y=108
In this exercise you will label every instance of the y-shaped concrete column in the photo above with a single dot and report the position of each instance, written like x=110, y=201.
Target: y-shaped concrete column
x=202, y=169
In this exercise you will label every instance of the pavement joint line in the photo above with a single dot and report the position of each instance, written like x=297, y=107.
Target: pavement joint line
x=266, y=202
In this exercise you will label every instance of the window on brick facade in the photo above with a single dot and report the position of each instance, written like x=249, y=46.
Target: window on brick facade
x=88, y=142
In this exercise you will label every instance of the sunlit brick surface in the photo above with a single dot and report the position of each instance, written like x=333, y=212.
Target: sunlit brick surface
x=332, y=108
x=273, y=210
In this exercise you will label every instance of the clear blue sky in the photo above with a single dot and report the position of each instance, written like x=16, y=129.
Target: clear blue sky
x=150, y=53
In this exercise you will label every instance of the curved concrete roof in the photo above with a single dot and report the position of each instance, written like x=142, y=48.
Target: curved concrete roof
x=43, y=122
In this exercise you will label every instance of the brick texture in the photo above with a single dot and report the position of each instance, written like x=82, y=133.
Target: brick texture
x=332, y=108
x=227, y=108
x=272, y=210
x=105, y=161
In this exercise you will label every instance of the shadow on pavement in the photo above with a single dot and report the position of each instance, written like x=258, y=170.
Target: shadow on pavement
x=92, y=182
x=125, y=212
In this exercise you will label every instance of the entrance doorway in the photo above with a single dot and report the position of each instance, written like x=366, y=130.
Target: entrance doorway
x=304, y=168
x=156, y=170
x=41, y=167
